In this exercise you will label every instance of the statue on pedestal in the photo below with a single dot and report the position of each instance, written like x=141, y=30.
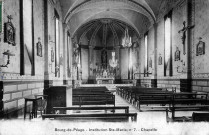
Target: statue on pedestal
x=104, y=58
x=105, y=73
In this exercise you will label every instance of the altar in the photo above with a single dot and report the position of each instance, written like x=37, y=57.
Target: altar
x=105, y=80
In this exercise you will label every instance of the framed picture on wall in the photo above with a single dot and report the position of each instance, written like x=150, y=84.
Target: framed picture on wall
x=52, y=55
x=177, y=54
x=9, y=32
x=160, y=60
x=200, y=49
x=39, y=49
x=150, y=62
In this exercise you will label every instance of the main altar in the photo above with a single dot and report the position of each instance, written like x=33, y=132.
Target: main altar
x=105, y=78
x=105, y=71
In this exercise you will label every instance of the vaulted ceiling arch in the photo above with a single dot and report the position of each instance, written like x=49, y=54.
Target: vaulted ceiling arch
x=113, y=4
x=139, y=14
x=106, y=29
x=80, y=19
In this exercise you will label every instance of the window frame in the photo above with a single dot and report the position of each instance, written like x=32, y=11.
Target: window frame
x=168, y=72
x=57, y=42
x=22, y=40
x=146, y=67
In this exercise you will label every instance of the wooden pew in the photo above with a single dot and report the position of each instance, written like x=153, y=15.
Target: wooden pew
x=197, y=117
x=136, y=96
x=92, y=96
x=80, y=90
x=102, y=99
x=189, y=98
x=173, y=109
x=92, y=88
x=170, y=98
x=128, y=92
x=153, y=98
x=104, y=117
x=120, y=89
x=105, y=108
x=91, y=92
x=102, y=87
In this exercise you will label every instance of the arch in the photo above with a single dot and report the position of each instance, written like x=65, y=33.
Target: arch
x=139, y=6
x=78, y=22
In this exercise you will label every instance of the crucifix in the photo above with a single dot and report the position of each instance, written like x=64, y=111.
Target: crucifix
x=183, y=37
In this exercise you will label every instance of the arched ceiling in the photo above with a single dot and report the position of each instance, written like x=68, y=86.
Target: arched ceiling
x=104, y=32
x=139, y=14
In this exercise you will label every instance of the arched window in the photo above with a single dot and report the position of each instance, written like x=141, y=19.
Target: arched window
x=145, y=54
x=27, y=37
x=168, y=44
x=57, y=41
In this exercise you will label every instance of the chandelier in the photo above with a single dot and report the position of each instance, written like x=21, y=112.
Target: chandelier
x=113, y=62
x=126, y=41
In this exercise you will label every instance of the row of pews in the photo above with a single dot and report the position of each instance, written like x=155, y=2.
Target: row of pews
x=167, y=99
x=92, y=104
x=93, y=96
x=107, y=116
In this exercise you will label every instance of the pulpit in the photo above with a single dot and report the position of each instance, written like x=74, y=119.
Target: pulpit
x=58, y=96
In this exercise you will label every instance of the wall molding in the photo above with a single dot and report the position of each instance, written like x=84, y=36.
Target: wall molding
x=11, y=82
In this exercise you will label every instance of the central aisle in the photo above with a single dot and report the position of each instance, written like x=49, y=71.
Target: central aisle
x=146, y=117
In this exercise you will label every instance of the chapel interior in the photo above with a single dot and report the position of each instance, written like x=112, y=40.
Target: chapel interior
x=104, y=60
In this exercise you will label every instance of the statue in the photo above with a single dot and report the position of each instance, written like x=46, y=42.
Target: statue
x=104, y=58
x=183, y=37
x=76, y=54
x=105, y=73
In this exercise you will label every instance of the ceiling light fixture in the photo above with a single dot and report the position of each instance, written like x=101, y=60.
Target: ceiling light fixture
x=126, y=41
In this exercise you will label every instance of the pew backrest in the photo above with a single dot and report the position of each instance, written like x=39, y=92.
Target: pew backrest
x=126, y=108
x=97, y=116
x=197, y=117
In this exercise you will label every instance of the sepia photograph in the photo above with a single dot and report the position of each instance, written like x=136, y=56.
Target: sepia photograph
x=104, y=67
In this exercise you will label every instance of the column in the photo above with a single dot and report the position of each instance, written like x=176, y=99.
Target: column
x=90, y=61
x=65, y=46
x=154, y=80
x=189, y=42
x=117, y=56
